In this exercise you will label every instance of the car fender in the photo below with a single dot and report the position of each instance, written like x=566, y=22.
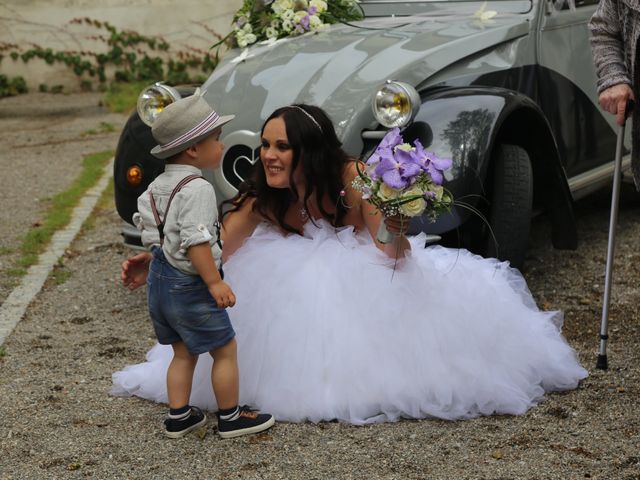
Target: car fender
x=465, y=123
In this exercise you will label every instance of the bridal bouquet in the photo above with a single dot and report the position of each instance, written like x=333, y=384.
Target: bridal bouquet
x=260, y=20
x=403, y=179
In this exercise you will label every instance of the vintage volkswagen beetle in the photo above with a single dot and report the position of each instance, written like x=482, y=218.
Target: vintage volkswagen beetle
x=504, y=88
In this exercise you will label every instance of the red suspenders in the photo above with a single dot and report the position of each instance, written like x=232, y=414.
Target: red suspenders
x=156, y=215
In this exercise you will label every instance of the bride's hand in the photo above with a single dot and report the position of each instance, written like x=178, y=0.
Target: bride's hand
x=398, y=225
x=135, y=270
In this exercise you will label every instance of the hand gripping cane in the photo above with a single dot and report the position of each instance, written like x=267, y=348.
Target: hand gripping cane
x=613, y=220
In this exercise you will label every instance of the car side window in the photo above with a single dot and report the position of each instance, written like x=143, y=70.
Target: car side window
x=571, y=4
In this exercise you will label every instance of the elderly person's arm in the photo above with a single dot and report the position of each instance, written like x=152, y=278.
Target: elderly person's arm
x=614, y=81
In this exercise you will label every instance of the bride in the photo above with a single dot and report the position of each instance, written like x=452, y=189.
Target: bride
x=332, y=325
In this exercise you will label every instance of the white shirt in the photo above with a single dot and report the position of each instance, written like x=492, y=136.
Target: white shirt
x=191, y=220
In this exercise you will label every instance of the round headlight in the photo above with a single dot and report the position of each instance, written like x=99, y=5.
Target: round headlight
x=153, y=100
x=395, y=104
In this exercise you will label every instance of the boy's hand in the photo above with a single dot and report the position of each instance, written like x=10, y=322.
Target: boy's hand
x=223, y=294
x=135, y=271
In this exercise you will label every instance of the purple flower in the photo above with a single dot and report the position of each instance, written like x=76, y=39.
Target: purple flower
x=385, y=147
x=398, y=170
x=312, y=10
x=299, y=29
x=391, y=139
x=430, y=163
x=305, y=22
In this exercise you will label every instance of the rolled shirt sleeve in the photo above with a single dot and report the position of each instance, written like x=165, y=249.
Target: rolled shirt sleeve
x=197, y=217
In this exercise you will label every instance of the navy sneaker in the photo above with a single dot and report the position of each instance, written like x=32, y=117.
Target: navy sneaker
x=179, y=428
x=247, y=421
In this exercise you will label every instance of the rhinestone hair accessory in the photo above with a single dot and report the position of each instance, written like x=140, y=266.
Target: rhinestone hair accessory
x=308, y=115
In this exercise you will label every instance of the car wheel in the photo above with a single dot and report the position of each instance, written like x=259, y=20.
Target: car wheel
x=511, y=203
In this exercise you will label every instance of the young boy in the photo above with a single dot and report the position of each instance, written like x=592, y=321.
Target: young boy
x=186, y=294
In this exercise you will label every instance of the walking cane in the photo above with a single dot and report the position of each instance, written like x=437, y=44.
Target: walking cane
x=613, y=220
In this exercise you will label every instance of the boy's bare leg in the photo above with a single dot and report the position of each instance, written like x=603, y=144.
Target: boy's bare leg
x=180, y=375
x=224, y=375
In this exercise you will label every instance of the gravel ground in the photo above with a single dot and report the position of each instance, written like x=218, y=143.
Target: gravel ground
x=43, y=139
x=58, y=420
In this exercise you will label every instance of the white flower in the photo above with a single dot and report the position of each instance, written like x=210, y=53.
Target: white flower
x=483, y=14
x=287, y=26
x=414, y=207
x=321, y=5
x=287, y=15
x=279, y=6
x=247, y=28
x=299, y=15
x=438, y=190
x=385, y=192
x=405, y=147
x=271, y=32
x=315, y=23
x=250, y=38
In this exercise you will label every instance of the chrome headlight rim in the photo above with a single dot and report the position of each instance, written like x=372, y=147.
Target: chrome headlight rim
x=153, y=99
x=392, y=117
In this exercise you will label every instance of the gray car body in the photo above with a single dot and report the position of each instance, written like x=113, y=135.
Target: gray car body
x=436, y=44
x=523, y=75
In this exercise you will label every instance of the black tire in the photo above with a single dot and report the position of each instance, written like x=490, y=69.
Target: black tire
x=511, y=205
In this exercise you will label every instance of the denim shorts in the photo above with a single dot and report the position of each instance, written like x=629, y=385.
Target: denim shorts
x=182, y=309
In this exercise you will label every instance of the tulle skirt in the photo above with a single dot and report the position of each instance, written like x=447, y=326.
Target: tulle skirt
x=330, y=328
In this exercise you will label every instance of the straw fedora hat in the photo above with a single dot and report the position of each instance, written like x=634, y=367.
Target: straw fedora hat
x=184, y=123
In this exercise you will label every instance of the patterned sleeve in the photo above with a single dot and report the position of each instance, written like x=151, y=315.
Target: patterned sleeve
x=607, y=45
x=197, y=216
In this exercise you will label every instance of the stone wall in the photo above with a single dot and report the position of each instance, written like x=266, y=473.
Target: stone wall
x=46, y=23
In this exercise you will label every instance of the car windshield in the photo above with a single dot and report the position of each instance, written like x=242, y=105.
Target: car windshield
x=381, y=8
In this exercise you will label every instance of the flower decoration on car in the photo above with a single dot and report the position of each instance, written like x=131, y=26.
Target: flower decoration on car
x=483, y=16
x=270, y=20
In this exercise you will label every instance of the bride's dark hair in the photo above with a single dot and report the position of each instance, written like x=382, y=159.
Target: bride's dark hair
x=316, y=148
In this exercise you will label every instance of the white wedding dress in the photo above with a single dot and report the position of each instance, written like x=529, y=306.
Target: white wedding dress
x=328, y=329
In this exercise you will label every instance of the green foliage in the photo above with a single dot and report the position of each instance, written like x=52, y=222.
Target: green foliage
x=104, y=127
x=130, y=56
x=122, y=97
x=3, y=352
x=60, y=273
x=59, y=211
x=12, y=86
x=104, y=205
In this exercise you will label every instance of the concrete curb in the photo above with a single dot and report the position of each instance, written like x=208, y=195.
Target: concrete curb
x=15, y=306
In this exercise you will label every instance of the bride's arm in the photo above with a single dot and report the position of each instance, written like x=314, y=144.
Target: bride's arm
x=371, y=218
x=237, y=226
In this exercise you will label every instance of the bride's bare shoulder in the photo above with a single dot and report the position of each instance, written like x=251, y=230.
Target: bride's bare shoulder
x=242, y=214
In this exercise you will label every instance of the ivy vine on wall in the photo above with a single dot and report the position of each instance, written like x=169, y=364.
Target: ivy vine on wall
x=129, y=56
